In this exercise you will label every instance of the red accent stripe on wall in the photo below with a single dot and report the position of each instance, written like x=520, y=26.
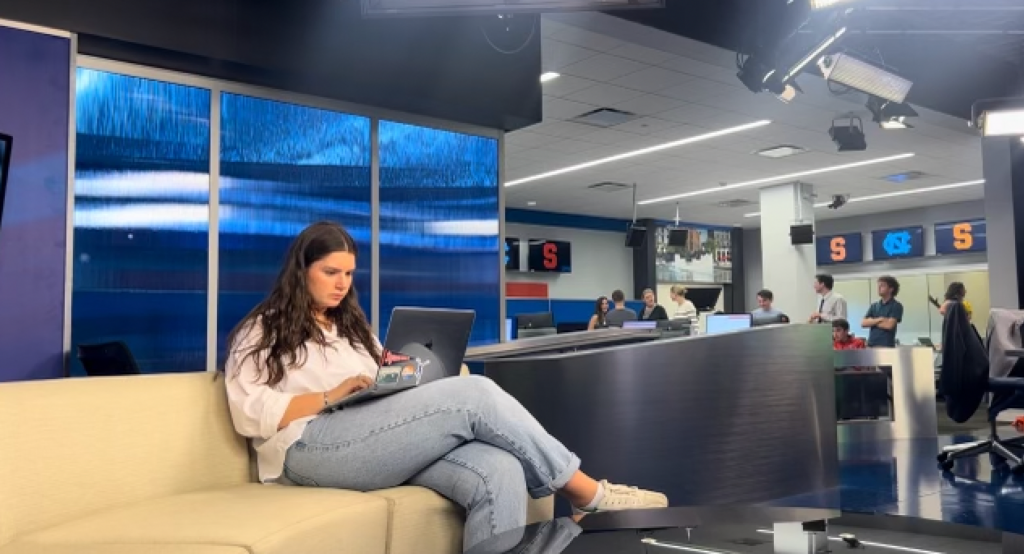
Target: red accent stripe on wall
x=526, y=290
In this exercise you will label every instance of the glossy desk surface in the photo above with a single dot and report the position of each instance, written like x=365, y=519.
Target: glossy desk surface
x=728, y=530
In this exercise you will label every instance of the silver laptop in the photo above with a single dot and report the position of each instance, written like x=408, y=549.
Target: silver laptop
x=422, y=345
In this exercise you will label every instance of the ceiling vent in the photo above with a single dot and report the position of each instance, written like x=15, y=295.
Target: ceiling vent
x=736, y=203
x=609, y=186
x=907, y=176
x=604, y=118
x=781, y=151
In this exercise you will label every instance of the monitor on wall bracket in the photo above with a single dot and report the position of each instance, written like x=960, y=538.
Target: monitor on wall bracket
x=6, y=143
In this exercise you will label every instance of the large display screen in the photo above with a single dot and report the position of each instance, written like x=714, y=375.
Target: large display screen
x=283, y=167
x=892, y=244
x=959, y=237
x=512, y=252
x=439, y=241
x=142, y=188
x=552, y=256
x=840, y=249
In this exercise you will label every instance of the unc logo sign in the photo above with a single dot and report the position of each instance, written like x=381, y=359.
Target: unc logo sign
x=898, y=243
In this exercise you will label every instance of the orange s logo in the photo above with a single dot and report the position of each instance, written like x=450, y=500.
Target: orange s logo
x=963, y=239
x=550, y=255
x=838, y=246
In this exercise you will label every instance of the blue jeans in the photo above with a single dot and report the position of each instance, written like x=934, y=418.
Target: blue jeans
x=463, y=437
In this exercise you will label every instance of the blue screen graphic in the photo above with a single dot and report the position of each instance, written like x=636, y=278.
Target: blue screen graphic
x=439, y=224
x=141, y=219
x=892, y=244
x=960, y=237
x=283, y=167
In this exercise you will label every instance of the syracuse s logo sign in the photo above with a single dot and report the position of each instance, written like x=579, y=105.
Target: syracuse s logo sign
x=963, y=238
x=838, y=247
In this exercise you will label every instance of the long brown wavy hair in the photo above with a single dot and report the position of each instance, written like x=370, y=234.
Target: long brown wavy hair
x=286, y=316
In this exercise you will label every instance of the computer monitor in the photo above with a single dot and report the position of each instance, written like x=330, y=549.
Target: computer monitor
x=758, y=321
x=675, y=325
x=444, y=332
x=651, y=325
x=535, y=321
x=724, y=323
x=6, y=144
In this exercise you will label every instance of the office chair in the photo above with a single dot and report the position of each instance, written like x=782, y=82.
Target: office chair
x=107, y=358
x=965, y=382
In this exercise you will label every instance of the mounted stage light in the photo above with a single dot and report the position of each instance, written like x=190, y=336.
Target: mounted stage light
x=999, y=117
x=419, y=8
x=890, y=115
x=848, y=137
x=826, y=4
x=865, y=77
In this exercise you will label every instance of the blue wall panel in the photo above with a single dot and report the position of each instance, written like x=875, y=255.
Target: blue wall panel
x=35, y=92
x=439, y=224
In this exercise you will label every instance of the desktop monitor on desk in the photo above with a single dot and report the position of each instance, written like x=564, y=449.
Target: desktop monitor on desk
x=650, y=325
x=723, y=323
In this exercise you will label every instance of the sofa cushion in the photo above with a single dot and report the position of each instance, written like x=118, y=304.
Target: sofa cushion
x=23, y=548
x=264, y=519
x=72, y=447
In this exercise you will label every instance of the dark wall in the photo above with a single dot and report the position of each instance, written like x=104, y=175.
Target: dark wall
x=438, y=67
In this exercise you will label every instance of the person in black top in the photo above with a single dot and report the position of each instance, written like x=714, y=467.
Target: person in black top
x=885, y=315
x=652, y=310
x=600, y=318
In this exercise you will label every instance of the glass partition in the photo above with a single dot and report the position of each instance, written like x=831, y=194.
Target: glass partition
x=921, y=319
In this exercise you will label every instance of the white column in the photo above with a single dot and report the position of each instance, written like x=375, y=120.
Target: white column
x=788, y=270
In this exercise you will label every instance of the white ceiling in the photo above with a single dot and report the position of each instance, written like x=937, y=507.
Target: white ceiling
x=683, y=88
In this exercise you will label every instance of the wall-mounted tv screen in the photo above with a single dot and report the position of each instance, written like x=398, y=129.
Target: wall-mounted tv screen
x=893, y=244
x=839, y=249
x=551, y=256
x=5, y=165
x=959, y=237
x=512, y=254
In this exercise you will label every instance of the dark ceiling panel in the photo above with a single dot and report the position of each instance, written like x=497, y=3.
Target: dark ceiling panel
x=949, y=74
x=438, y=67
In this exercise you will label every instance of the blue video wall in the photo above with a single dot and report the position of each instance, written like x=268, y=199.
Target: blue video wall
x=141, y=219
x=283, y=167
x=439, y=224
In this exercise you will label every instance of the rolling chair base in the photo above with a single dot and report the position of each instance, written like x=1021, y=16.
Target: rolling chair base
x=995, y=447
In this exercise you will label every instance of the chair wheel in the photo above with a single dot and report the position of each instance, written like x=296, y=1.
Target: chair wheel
x=942, y=457
x=947, y=465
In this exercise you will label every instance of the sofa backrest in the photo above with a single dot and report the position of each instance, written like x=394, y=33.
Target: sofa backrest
x=69, y=447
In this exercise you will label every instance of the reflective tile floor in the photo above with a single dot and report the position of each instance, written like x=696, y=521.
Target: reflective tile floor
x=903, y=478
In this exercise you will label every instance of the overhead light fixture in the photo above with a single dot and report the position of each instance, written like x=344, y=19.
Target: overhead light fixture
x=1003, y=123
x=640, y=152
x=890, y=115
x=779, y=178
x=531, y=203
x=549, y=76
x=865, y=77
x=826, y=4
x=782, y=151
x=848, y=137
x=883, y=196
x=814, y=54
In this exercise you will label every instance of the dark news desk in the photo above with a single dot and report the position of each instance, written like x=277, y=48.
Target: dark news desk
x=737, y=418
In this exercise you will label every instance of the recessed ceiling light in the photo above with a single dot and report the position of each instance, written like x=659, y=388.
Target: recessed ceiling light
x=640, y=152
x=894, y=194
x=781, y=151
x=549, y=76
x=531, y=203
x=778, y=178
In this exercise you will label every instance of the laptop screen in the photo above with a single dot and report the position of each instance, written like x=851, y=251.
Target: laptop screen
x=723, y=323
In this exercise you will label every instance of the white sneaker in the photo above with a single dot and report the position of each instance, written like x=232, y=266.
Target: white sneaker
x=621, y=497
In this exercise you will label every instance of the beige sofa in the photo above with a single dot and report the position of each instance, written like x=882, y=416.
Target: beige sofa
x=151, y=464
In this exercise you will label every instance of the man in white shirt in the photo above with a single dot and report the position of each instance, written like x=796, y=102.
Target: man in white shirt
x=831, y=304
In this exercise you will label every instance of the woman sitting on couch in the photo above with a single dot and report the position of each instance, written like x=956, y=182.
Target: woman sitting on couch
x=309, y=344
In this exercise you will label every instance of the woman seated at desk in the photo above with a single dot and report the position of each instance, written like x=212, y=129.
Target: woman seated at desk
x=600, y=318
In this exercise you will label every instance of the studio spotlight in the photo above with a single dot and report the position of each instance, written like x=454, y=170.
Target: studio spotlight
x=999, y=117
x=838, y=201
x=890, y=115
x=858, y=74
x=848, y=136
x=826, y=4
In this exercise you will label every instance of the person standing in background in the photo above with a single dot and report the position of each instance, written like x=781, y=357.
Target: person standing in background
x=956, y=292
x=652, y=310
x=684, y=308
x=600, y=318
x=885, y=315
x=831, y=304
x=621, y=313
